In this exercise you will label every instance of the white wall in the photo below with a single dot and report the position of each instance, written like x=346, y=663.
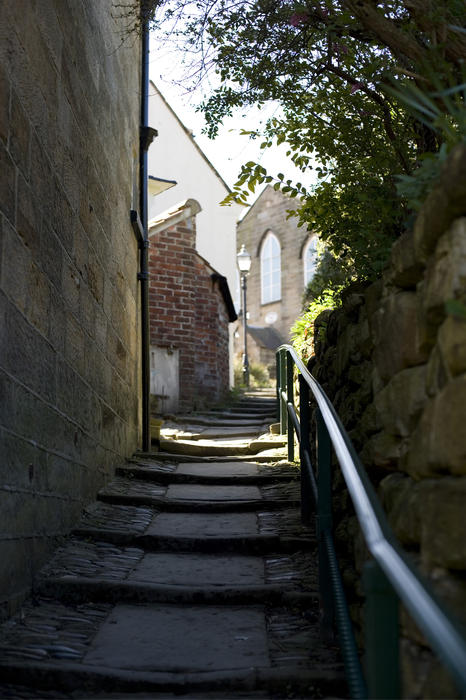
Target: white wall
x=165, y=378
x=174, y=155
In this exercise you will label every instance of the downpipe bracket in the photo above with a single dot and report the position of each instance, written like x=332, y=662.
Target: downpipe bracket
x=147, y=135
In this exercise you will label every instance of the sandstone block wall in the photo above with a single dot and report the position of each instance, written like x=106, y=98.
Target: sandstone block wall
x=69, y=116
x=188, y=313
x=269, y=213
x=393, y=360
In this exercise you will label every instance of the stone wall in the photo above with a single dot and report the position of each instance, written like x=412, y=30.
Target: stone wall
x=270, y=213
x=69, y=113
x=188, y=313
x=393, y=360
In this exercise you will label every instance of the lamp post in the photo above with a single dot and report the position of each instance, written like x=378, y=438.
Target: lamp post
x=244, y=265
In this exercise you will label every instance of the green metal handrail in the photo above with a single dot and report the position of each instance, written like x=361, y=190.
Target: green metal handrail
x=390, y=576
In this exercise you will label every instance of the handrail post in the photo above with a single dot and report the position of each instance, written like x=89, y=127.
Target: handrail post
x=283, y=410
x=278, y=383
x=381, y=634
x=324, y=520
x=290, y=397
x=304, y=447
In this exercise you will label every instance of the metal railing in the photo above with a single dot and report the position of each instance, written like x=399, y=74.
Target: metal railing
x=389, y=577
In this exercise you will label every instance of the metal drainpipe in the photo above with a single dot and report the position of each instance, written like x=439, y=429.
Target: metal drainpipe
x=144, y=254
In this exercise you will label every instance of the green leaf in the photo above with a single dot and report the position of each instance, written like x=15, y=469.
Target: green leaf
x=456, y=308
x=360, y=142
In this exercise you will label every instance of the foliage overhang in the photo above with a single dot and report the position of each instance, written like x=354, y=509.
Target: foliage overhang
x=372, y=92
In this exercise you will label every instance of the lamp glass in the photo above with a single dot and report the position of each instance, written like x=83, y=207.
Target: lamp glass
x=244, y=260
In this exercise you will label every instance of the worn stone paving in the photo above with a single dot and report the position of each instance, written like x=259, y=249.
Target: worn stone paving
x=147, y=601
x=100, y=559
x=48, y=630
x=127, y=520
x=218, y=472
x=173, y=431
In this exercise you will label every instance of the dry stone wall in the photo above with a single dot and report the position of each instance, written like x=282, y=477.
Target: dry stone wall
x=69, y=116
x=393, y=360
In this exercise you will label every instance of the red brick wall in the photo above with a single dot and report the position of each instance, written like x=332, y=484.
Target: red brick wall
x=187, y=311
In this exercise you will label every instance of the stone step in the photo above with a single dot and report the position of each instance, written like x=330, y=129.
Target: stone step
x=205, y=695
x=217, y=420
x=258, y=544
x=168, y=648
x=175, y=431
x=259, y=398
x=193, y=497
x=323, y=681
x=276, y=458
x=217, y=448
x=136, y=529
x=224, y=418
x=240, y=473
x=81, y=590
x=81, y=571
x=263, y=402
x=192, y=505
x=246, y=411
x=191, y=574
x=266, y=402
x=253, y=409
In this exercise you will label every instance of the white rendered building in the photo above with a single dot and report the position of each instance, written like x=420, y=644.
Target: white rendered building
x=179, y=170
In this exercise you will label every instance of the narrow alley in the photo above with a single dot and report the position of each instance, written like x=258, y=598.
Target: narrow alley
x=191, y=574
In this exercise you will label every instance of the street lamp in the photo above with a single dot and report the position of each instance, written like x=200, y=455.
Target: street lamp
x=244, y=265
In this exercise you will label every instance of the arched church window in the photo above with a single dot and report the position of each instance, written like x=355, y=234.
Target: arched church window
x=310, y=259
x=270, y=269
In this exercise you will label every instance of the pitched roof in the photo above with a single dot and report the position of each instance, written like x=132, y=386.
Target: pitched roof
x=266, y=189
x=191, y=137
x=266, y=336
x=180, y=212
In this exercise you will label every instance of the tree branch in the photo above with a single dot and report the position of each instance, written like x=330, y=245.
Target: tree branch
x=378, y=99
x=398, y=41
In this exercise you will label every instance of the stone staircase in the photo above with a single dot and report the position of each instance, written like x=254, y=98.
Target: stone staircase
x=191, y=575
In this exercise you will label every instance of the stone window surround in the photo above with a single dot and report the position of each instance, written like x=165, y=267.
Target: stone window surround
x=311, y=241
x=270, y=236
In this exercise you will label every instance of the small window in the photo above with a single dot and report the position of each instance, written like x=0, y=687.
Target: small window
x=270, y=269
x=310, y=259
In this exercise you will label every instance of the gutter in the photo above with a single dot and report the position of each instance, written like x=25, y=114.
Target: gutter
x=139, y=223
x=174, y=215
